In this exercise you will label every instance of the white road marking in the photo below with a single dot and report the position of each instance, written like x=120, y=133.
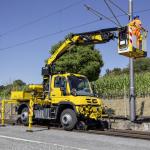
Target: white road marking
x=39, y=142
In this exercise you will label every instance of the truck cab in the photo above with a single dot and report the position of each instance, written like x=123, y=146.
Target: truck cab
x=70, y=84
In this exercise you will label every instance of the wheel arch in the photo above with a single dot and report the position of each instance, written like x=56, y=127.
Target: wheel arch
x=21, y=107
x=65, y=105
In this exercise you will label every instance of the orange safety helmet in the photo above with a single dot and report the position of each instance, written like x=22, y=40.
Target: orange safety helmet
x=137, y=22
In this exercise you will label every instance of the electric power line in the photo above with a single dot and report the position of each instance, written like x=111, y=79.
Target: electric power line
x=61, y=31
x=119, y=7
x=98, y=14
x=141, y=11
x=40, y=18
x=110, y=9
x=48, y=35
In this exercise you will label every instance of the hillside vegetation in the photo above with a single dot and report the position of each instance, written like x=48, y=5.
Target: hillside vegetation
x=5, y=90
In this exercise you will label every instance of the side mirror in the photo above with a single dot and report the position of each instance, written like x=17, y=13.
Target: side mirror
x=94, y=90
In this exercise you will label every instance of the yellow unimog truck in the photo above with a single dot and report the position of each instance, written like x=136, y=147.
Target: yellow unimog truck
x=66, y=98
x=71, y=102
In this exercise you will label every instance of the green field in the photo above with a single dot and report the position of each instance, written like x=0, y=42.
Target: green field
x=117, y=86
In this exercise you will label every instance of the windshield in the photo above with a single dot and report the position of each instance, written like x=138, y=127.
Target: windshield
x=80, y=85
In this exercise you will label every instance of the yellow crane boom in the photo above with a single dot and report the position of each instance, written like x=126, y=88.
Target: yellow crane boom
x=93, y=37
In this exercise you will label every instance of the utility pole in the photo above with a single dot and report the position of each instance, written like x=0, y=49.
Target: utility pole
x=132, y=99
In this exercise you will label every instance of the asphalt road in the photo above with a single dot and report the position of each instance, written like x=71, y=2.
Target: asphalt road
x=16, y=138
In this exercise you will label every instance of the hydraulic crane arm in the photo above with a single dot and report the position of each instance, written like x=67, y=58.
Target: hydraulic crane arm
x=85, y=38
x=93, y=37
x=125, y=47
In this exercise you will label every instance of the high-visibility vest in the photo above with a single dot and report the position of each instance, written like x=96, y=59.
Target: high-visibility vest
x=137, y=33
x=137, y=23
x=136, y=26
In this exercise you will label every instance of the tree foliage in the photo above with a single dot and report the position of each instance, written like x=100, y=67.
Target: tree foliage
x=85, y=60
x=5, y=90
x=140, y=65
x=18, y=83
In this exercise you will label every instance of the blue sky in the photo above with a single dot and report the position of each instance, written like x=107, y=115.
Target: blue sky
x=25, y=61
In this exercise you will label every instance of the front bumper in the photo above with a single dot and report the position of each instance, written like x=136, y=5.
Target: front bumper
x=90, y=111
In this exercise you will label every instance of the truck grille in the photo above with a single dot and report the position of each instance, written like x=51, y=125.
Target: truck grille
x=91, y=101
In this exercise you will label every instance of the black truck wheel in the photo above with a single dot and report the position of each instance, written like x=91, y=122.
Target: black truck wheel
x=68, y=119
x=25, y=116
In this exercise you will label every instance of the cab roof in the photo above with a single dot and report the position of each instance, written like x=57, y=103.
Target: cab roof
x=69, y=74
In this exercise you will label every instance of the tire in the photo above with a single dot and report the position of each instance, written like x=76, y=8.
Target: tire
x=25, y=116
x=68, y=119
x=105, y=125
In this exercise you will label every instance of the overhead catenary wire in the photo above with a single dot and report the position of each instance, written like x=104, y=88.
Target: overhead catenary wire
x=40, y=18
x=112, y=13
x=118, y=7
x=141, y=11
x=93, y=12
x=67, y=29
x=98, y=14
x=47, y=35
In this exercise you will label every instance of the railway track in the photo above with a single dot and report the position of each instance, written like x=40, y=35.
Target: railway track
x=122, y=133
x=111, y=132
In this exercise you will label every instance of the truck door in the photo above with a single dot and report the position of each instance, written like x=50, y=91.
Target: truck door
x=58, y=86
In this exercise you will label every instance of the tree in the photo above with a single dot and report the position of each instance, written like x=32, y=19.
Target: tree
x=18, y=83
x=125, y=70
x=84, y=60
x=142, y=65
x=115, y=71
x=2, y=87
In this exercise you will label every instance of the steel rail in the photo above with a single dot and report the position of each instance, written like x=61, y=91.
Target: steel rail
x=110, y=132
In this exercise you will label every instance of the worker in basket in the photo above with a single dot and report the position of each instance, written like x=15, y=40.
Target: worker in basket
x=136, y=26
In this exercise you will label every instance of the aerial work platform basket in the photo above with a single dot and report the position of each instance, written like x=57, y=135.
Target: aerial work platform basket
x=132, y=42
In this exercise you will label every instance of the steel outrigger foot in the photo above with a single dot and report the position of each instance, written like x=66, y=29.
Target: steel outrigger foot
x=2, y=125
x=29, y=130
